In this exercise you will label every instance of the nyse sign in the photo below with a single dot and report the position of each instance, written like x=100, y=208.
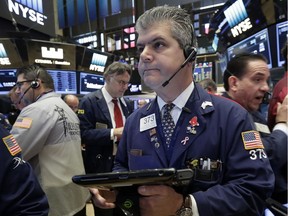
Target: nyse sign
x=241, y=27
x=31, y=14
x=26, y=12
x=49, y=56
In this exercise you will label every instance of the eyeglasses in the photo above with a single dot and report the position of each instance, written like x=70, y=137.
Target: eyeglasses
x=19, y=84
x=121, y=82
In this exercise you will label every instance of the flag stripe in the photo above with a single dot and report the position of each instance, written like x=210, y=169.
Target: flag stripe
x=11, y=145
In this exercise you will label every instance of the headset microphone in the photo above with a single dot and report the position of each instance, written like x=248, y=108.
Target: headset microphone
x=191, y=57
x=22, y=96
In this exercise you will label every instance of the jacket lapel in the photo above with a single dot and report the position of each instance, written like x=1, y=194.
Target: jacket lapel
x=192, y=122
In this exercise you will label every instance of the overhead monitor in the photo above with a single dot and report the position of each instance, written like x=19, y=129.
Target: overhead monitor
x=94, y=61
x=34, y=14
x=7, y=80
x=52, y=55
x=238, y=19
x=282, y=38
x=9, y=56
x=64, y=81
x=90, y=82
x=257, y=43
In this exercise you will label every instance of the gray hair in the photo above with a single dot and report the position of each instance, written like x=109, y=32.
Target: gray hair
x=181, y=27
x=117, y=68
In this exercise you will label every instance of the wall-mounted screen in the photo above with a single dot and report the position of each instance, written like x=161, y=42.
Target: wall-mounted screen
x=282, y=38
x=203, y=70
x=90, y=82
x=7, y=80
x=257, y=43
x=64, y=81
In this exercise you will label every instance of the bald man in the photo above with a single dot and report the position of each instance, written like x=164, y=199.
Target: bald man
x=72, y=101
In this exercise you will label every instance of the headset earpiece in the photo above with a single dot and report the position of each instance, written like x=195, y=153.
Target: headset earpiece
x=190, y=53
x=34, y=84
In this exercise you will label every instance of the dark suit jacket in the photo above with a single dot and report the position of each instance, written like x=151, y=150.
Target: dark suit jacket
x=95, y=126
x=237, y=188
x=275, y=144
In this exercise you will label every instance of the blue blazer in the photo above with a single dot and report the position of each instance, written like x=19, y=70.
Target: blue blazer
x=209, y=127
x=95, y=126
x=21, y=193
x=276, y=147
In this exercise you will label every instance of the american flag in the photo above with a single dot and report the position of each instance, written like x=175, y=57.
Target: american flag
x=252, y=140
x=23, y=122
x=12, y=145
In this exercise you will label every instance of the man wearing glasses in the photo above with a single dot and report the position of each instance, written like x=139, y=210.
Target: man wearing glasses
x=48, y=133
x=102, y=116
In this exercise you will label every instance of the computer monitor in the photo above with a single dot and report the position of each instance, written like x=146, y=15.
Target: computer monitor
x=203, y=70
x=281, y=38
x=64, y=81
x=52, y=55
x=94, y=61
x=90, y=82
x=7, y=80
x=257, y=43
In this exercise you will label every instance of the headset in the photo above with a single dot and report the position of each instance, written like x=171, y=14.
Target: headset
x=35, y=83
x=190, y=53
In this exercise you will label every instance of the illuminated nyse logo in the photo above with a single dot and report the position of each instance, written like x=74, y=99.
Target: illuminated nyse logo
x=28, y=9
x=4, y=60
x=237, y=18
x=52, y=56
x=98, y=62
x=52, y=53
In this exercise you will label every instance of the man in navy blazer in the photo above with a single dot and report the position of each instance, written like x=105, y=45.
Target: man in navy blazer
x=212, y=135
x=246, y=82
x=98, y=128
x=98, y=131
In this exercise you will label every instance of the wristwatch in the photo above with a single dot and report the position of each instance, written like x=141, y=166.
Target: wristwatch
x=186, y=209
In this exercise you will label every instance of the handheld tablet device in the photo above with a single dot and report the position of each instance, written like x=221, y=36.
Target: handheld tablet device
x=109, y=180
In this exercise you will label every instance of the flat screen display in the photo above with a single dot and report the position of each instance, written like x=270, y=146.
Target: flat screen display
x=94, y=61
x=90, y=82
x=34, y=14
x=257, y=43
x=282, y=38
x=202, y=71
x=9, y=56
x=7, y=80
x=52, y=55
x=64, y=81
x=134, y=87
x=238, y=19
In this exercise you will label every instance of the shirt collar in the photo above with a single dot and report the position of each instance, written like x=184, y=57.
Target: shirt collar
x=181, y=100
x=106, y=95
